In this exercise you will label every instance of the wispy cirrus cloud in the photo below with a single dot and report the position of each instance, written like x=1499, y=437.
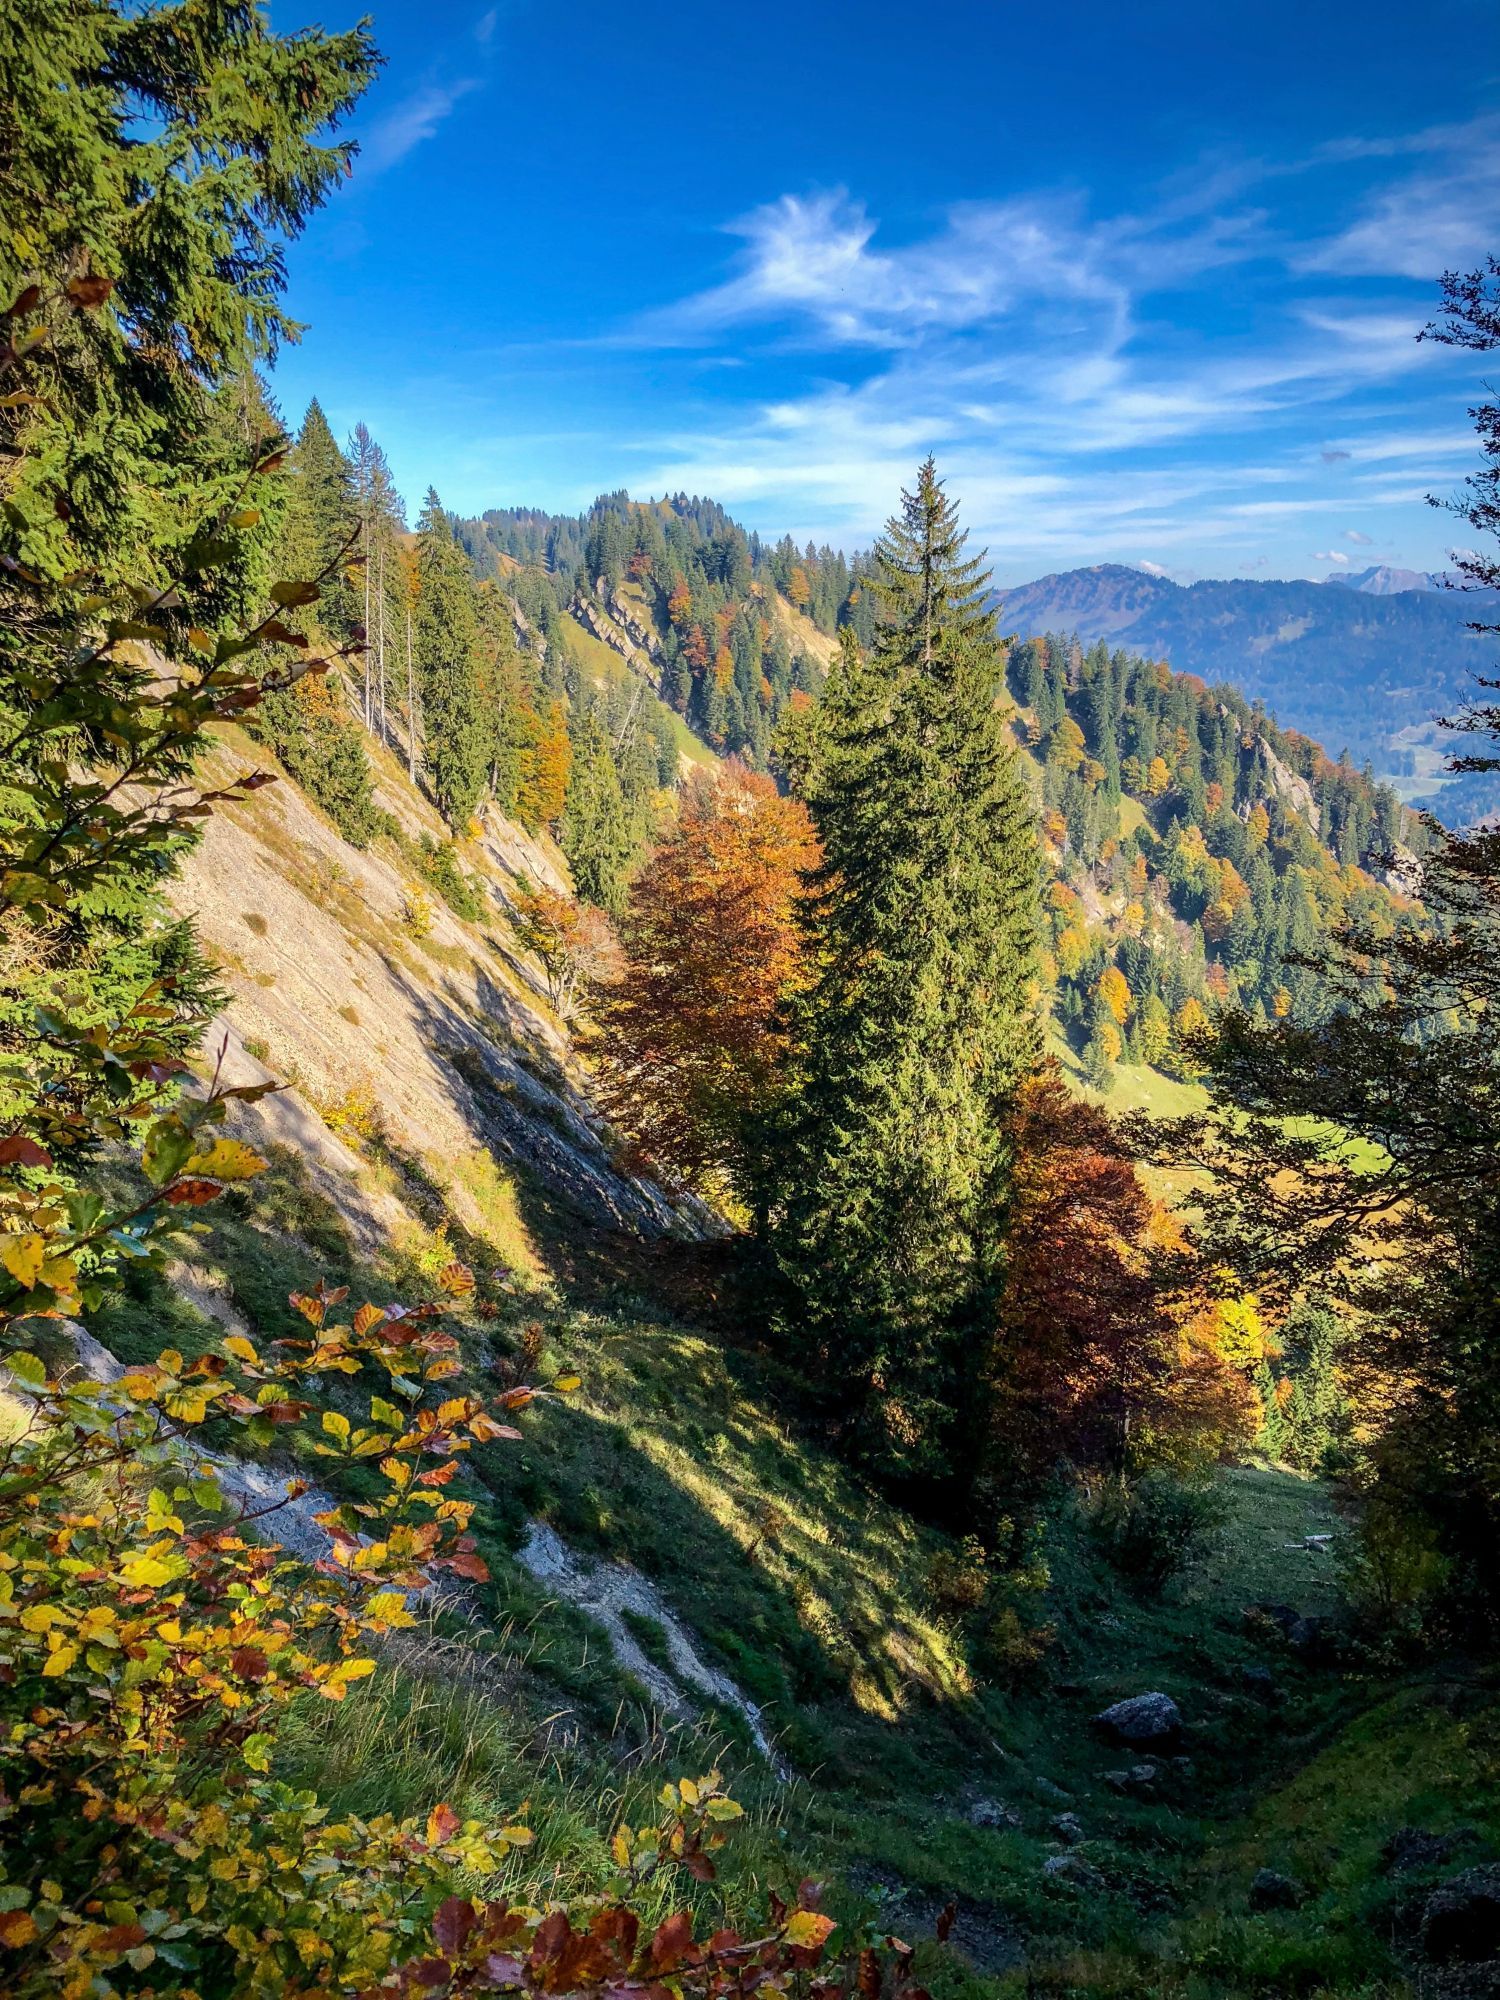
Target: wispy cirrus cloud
x=1441, y=218
x=416, y=117
x=1093, y=378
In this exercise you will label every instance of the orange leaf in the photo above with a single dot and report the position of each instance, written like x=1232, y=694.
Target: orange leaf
x=442, y=1823
x=16, y=1929
x=193, y=1194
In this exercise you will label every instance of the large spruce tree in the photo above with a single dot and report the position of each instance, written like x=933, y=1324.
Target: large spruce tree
x=886, y=1183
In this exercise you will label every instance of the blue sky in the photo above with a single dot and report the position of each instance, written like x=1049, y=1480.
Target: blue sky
x=1145, y=278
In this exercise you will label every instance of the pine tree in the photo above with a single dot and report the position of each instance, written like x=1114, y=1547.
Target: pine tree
x=165, y=154
x=885, y=1198
x=447, y=646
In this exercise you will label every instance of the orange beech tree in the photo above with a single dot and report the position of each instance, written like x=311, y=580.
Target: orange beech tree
x=691, y=1041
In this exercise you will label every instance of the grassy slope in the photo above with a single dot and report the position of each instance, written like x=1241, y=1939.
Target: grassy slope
x=814, y=1593
x=604, y=664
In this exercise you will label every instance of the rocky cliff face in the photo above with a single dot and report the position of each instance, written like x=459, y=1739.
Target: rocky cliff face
x=398, y=1028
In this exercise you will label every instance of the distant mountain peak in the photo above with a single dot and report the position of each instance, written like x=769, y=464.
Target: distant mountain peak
x=1381, y=580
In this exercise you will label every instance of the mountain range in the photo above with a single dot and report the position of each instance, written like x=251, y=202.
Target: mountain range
x=1365, y=662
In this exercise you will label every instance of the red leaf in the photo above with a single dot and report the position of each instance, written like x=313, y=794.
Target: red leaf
x=121, y=1937
x=945, y=1921
x=442, y=1823
x=193, y=1194
x=466, y=1563
x=18, y=1151
x=699, y=1867
x=869, y=1975
x=504, y=1970
x=550, y=1936
x=452, y=1924
x=90, y=292
x=672, y=1942
x=809, y=1893
x=27, y=302
x=617, y=1925
x=249, y=1662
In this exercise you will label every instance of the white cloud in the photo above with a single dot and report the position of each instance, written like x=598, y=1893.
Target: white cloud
x=1354, y=535
x=1153, y=569
x=416, y=118
x=1042, y=350
x=1433, y=220
x=1329, y=555
x=814, y=260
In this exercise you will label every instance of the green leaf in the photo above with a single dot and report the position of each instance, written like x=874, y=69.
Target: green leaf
x=336, y=1426
x=256, y=1751
x=169, y=1146
x=27, y=1369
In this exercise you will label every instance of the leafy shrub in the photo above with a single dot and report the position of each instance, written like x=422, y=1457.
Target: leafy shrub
x=1391, y=1569
x=417, y=912
x=354, y=1113
x=1154, y=1529
x=958, y=1578
x=464, y=894
x=1010, y=1650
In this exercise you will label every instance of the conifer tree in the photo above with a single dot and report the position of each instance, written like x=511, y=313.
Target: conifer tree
x=320, y=519
x=447, y=646
x=596, y=834
x=885, y=1184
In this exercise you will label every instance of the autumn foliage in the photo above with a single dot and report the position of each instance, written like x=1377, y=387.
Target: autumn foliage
x=691, y=1041
x=1106, y=1350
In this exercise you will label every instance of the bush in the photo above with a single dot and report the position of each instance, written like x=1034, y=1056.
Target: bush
x=464, y=894
x=1153, y=1530
x=958, y=1579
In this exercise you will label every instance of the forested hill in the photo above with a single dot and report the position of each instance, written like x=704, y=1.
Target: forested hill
x=569, y=668
x=1196, y=851
x=1362, y=669
x=726, y=622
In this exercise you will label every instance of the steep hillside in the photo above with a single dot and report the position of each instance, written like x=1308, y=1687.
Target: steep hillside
x=1362, y=669
x=391, y=1018
x=681, y=1572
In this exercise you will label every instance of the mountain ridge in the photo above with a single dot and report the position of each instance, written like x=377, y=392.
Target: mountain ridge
x=1369, y=670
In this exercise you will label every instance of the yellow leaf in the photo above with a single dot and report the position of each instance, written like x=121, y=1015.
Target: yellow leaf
x=23, y=1257
x=16, y=1929
x=566, y=1384
x=688, y=1790
x=237, y=1345
x=227, y=1160
x=807, y=1927
x=145, y=1572
x=619, y=1847
x=60, y=1661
